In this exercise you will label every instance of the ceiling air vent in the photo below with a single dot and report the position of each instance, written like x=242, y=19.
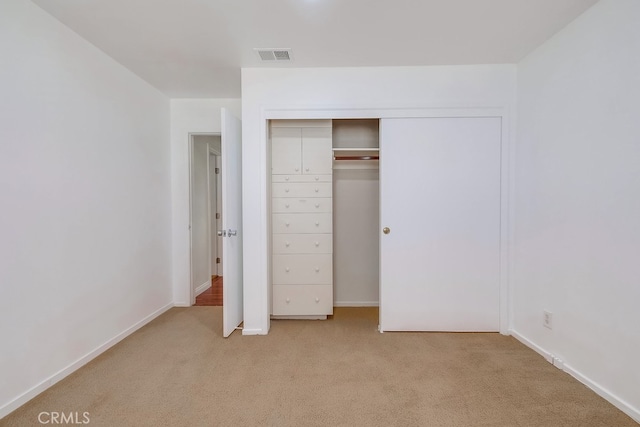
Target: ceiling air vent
x=274, y=54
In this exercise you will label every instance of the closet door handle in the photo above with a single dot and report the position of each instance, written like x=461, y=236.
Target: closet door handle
x=386, y=230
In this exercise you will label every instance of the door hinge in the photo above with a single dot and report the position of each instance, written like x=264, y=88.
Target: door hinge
x=217, y=171
x=217, y=215
x=217, y=260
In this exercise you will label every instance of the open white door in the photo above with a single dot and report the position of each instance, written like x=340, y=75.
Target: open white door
x=231, y=176
x=440, y=214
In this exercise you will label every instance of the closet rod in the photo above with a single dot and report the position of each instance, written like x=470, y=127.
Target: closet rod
x=356, y=157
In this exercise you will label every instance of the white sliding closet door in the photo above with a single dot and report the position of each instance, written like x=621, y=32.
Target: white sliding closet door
x=440, y=199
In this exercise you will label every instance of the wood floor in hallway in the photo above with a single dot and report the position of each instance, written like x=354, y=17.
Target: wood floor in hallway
x=213, y=295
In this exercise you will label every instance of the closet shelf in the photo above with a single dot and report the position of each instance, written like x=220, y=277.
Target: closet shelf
x=356, y=153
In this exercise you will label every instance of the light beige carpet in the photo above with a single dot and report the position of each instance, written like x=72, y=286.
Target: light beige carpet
x=179, y=371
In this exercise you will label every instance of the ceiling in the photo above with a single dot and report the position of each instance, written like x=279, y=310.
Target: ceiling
x=195, y=48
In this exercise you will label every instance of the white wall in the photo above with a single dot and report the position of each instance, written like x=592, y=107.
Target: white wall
x=339, y=89
x=578, y=200
x=85, y=189
x=200, y=227
x=188, y=116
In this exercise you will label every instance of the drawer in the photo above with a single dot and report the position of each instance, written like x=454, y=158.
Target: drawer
x=302, y=300
x=302, y=223
x=302, y=244
x=306, y=205
x=301, y=178
x=301, y=189
x=307, y=269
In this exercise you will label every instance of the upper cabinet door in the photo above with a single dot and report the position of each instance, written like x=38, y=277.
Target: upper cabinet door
x=286, y=151
x=317, y=157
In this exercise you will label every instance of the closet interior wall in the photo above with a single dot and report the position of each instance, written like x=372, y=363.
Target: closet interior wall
x=356, y=216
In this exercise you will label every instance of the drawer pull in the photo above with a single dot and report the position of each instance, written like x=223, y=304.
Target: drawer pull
x=286, y=178
x=317, y=300
x=317, y=190
x=317, y=244
x=286, y=269
x=317, y=223
x=286, y=190
x=286, y=224
x=288, y=300
x=286, y=205
x=317, y=205
x=287, y=244
x=317, y=178
x=307, y=169
x=297, y=169
x=317, y=269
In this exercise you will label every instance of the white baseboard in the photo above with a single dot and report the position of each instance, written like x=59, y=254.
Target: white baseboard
x=34, y=391
x=356, y=303
x=547, y=356
x=182, y=304
x=246, y=331
x=625, y=407
x=200, y=289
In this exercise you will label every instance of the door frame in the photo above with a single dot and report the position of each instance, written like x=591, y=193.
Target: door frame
x=192, y=296
x=438, y=111
x=217, y=154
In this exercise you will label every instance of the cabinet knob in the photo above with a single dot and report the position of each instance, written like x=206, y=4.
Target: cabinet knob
x=317, y=205
x=307, y=169
x=286, y=224
x=317, y=300
x=317, y=269
x=287, y=244
x=286, y=205
x=317, y=223
x=317, y=244
x=288, y=300
x=317, y=178
x=297, y=169
x=286, y=269
x=286, y=190
x=286, y=178
x=317, y=190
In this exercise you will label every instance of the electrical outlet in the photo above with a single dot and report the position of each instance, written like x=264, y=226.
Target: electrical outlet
x=547, y=319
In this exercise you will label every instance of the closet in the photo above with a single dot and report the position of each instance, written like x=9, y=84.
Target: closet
x=324, y=216
x=404, y=213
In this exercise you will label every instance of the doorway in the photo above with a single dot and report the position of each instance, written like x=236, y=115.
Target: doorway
x=206, y=220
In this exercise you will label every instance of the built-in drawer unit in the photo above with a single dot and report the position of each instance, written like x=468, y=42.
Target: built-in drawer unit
x=301, y=218
x=302, y=300
x=301, y=189
x=302, y=244
x=302, y=269
x=301, y=178
x=302, y=223
x=301, y=205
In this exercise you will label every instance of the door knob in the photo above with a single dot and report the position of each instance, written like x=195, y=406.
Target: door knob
x=232, y=232
x=386, y=230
